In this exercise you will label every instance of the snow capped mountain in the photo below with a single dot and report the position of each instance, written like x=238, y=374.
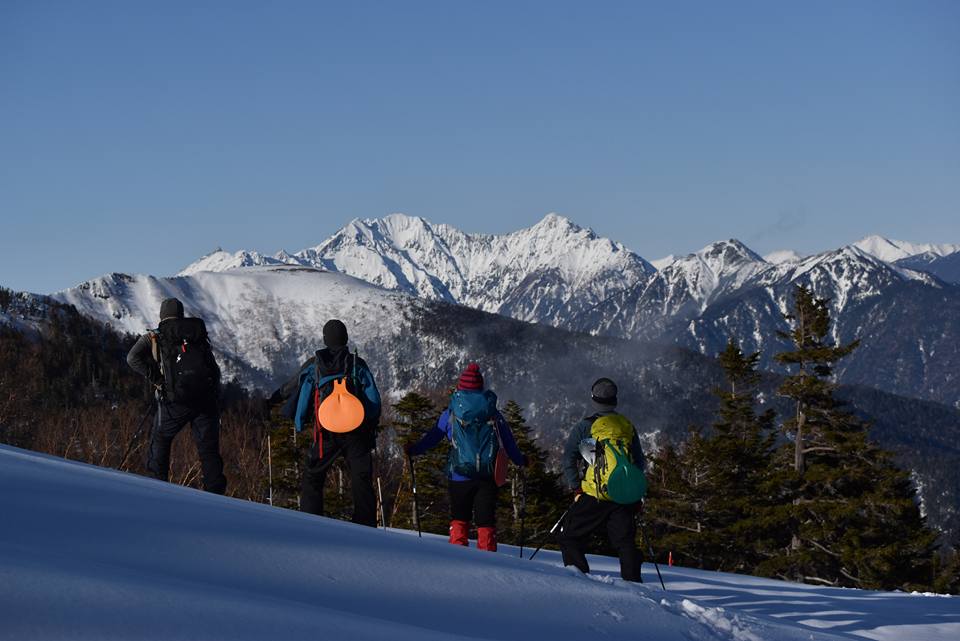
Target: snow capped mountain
x=683, y=288
x=263, y=320
x=219, y=261
x=894, y=250
x=557, y=273
x=840, y=275
x=544, y=273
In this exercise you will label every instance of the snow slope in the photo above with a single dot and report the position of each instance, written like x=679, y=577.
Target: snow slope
x=263, y=321
x=90, y=553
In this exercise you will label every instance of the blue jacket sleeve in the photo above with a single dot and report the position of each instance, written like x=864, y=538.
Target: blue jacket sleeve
x=432, y=438
x=305, y=401
x=509, y=444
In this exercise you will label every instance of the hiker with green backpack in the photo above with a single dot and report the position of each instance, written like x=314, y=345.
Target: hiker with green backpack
x=609, y=492
x=480, y=442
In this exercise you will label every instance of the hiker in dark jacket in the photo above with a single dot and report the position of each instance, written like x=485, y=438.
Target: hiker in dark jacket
x=592, y=509
x=335, y=362
x=472, y=491
x=194, y=399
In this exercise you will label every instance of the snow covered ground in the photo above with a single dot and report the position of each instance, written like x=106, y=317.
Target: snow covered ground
x=90, y=553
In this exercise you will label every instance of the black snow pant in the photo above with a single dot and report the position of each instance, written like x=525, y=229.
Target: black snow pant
x=355, y=447
x=205, y=425
x=586, y=515
x=476, y=496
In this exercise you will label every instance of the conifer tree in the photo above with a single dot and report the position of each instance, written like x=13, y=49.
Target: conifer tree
x=947, y=572
x=287, y=452
x=850, y=516
x=738, y=452
x=534, y=493
x=676, y=504
x=416, y=415
x=706, y=495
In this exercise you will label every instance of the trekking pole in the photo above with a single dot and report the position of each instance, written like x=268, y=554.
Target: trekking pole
x=136, y=435
x=376, y=461
x=653, y=557
x=416, y=505
x=552, y=530
x=270, y=470
x=383, y=517
x=523, y=507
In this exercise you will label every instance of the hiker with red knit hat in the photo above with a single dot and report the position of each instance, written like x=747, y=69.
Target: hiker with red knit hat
x=476, y=466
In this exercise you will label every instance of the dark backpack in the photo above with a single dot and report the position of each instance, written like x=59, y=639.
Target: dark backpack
x=190, y=372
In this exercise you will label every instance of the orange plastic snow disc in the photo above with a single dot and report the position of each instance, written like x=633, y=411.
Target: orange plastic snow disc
x=341, y=411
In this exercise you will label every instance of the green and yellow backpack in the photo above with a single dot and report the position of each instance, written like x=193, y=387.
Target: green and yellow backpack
x=613, y=475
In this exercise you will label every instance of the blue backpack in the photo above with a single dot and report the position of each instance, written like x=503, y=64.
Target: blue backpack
x=473, y=437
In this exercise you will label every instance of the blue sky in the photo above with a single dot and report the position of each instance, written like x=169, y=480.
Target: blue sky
x=137, y=136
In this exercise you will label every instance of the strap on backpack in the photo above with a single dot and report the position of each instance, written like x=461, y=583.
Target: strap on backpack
x=155, y=349
x=317, y=432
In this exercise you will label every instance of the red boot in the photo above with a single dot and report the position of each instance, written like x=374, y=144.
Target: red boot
x=458, y=532
x=487, y=538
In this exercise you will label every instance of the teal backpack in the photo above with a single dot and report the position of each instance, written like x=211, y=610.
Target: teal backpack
x=472, y=435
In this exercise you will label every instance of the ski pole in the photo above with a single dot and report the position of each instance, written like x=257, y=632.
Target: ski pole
x=523, y=507
x=270, y=468
x=383, y=518
x=552, y=530
x=653, y=557
x=376, y=460
x=136, y=435
x=413, y=485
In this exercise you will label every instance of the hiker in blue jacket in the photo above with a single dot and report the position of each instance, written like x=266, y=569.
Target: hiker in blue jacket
x=480, y=439
x=311, y=386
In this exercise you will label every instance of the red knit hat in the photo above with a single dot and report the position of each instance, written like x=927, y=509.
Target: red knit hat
x=471, y=380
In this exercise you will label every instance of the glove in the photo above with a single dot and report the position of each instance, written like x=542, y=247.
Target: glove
x=408, y=450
